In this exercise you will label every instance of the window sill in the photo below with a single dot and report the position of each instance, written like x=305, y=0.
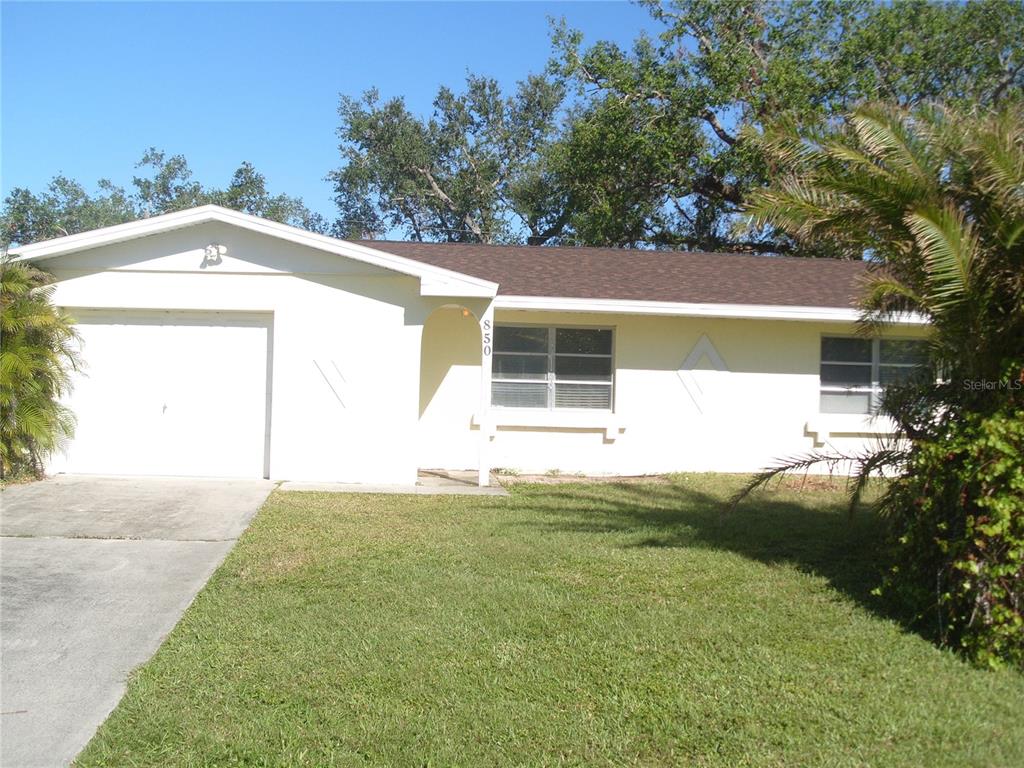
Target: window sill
x=542, y=418
x=826, y=425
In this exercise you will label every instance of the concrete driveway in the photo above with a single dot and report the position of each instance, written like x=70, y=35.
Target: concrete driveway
x=94, y=572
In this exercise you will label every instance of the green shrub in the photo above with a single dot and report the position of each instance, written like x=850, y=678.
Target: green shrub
x=37, y=352
x=957, y=516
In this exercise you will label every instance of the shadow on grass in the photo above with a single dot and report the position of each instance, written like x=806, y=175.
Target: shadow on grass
x=812, y=532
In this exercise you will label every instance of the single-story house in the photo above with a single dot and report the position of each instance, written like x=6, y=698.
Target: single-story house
x=221, y=344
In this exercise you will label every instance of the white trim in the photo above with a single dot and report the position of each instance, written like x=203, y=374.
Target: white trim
x=545, y=419
x=828, y=425
x=434, y=281
x=738, y=311
x=486, y=363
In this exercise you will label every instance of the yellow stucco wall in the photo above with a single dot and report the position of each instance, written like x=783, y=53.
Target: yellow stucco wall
x=449, y=390
x=664, y=419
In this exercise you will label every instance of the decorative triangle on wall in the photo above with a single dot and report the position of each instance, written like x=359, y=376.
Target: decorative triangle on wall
x=687, y=371
x=334, y=378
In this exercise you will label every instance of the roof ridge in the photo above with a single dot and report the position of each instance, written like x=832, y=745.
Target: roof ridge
x=604, y=248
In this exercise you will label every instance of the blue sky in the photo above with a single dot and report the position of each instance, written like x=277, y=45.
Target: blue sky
x=86, y=88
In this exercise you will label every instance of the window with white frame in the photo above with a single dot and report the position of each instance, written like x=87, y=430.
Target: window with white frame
x=544, y=367
x=855, y=371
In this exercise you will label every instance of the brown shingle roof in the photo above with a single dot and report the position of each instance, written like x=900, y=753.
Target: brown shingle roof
x=672, y=276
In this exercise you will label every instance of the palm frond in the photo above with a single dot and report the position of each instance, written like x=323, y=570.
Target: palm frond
x=887, y=299
x=39, y=349
x=998, y=154
x=948, y=245
x=804, y=461
x=873, y=464
x=887, y=133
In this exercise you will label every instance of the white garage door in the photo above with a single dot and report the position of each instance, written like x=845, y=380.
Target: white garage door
x=170, y=393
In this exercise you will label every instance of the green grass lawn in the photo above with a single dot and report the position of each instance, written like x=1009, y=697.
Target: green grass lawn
x=567, y=624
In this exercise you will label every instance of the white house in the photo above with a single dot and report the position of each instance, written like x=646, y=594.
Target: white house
x=222, y=344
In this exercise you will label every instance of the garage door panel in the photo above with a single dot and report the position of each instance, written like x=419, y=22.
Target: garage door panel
x=170, y=394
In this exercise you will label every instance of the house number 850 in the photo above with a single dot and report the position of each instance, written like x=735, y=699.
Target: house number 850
x=487, y=338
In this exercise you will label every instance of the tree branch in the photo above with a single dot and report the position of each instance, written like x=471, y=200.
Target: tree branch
x=439, y=193
x=716, y=126
x=1006, y=81
x=555, y=229
x=702, y=39
x=712, y=186
x=411, y=216
x=682, y=211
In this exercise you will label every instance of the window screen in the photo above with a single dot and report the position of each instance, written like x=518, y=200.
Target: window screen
x=855, y=371
x=539, y=367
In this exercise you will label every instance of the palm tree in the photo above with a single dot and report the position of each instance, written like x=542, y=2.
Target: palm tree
x=934, y=200
x=37, y=354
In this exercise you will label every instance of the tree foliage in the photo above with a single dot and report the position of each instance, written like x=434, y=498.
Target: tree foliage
x=66, y=207
x=935, y=197
x=647, y=145
x=474, y=170
x=37, y=354
x=720, y=67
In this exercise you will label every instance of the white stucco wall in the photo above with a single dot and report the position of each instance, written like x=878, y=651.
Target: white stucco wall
x=345, y=338
x=664, y=419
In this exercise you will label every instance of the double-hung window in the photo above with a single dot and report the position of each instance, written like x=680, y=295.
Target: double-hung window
x=544, y=367
x=855, y=371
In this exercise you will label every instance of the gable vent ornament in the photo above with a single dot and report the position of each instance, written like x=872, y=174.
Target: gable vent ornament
x=213, y=255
